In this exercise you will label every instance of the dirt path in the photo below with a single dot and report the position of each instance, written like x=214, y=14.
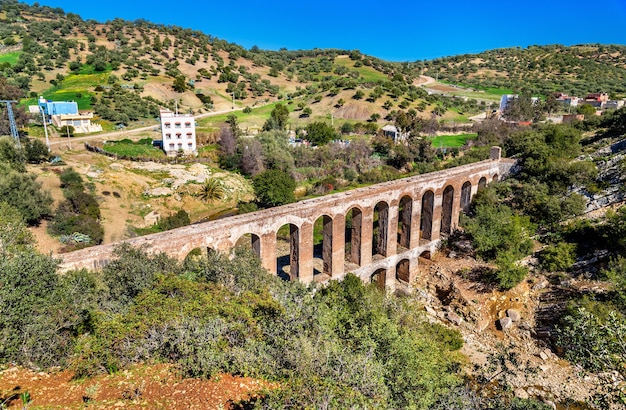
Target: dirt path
x=153, y=387
x=423, y=80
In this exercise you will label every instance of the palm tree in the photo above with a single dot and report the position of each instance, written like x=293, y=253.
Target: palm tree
x=211, y=190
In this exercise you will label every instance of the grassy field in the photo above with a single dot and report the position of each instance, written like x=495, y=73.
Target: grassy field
x=88, y=69
x=10, y=58
x=256, y=118
x=493, y=91
x=368, y=74
x=84, y=81
x=83, y=98
x=133, y=150
x=452, y=141
x=475, y=95
x=75, y=87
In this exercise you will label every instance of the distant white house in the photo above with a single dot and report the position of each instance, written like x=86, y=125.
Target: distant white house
x=178, y=132
x=506, y=99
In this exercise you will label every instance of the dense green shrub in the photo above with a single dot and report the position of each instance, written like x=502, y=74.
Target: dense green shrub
x=274, y=188
x=495, y=230
x=559, y=257
x=35, y=151
x=22, y=191
x=78, y=213
x=71, y=179
x=378, y=175
x=510, y=272
x=11, y=156
x=173, y=221
x=594, y=337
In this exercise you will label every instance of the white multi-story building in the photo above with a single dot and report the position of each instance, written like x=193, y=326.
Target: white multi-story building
x=178, y=132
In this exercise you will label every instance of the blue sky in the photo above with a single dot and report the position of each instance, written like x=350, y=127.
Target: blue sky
x=400, y=30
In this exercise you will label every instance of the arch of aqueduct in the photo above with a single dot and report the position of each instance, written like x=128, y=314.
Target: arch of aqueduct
x=377, y=232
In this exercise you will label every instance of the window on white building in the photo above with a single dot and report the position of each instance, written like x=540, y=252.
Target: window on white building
x=178, y=135
x=187, y=125
x=168, y=136
x=168, y=125
x=189, y=135
x=177, y=125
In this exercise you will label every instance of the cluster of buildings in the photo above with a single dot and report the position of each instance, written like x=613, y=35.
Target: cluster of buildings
x=600, y=101
x=178, y=131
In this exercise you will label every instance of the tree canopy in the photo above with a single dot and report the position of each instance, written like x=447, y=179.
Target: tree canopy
x=274, y=187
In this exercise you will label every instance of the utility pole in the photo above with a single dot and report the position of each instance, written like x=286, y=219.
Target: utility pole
x=12, y=124
x=69, y=141
x=45, y=127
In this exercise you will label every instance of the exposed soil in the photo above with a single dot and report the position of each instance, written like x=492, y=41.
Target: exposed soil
x=127, y=191
x=453, y=295
x=442, y=88
x=154, y=387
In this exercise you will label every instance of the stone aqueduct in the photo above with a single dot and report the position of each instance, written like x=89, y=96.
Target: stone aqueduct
x=377, y=232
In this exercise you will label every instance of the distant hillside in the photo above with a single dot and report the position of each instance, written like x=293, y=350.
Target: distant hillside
x=123, y=71
x=576, y=70
x=108, y=66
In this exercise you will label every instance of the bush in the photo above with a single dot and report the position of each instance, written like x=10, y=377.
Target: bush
x=559, y=257
x=79, y=213
x=71, y=179
x=593, y=338
x=376, y=176
x=36, y=151
x=22, y=191
x=246, y=207
x=496, y=229
x=274, y=188
x=509, y=272
x=173, y=221
x=12, y=157
x=132, y=272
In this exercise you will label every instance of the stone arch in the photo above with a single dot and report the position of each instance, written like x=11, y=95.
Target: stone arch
x=323, y=245
x=353, y=235
x=426, y=255
x=378, y=278
x=495, y=178
x=380, y=229
x=199, y=253
x=482, y=183
x=287, y=251
x=426, y=219
x=402, y=271
x=251, y=242
x=466, y=195
x=405, y=210
x=446, y=209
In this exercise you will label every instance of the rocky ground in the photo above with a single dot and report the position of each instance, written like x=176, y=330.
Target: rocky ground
x=497, y=324
x=136, y=194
